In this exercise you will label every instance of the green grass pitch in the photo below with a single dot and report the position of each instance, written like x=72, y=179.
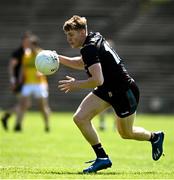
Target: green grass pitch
x=60, y=154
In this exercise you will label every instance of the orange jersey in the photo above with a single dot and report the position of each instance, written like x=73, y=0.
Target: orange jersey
x=31, y=75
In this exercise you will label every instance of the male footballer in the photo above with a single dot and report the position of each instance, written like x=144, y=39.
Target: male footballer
x=113, y=87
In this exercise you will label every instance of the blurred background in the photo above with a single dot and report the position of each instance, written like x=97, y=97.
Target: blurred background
x=142, y=32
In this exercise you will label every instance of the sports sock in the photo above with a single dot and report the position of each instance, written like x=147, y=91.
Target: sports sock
x=153, y=137
x=6, y=115
x=99, y=151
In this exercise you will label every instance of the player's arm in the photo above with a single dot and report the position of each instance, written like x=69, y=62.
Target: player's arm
x=72, y=62
x=95, y=80
x=12, y=64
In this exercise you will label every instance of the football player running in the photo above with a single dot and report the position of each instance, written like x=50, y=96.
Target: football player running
x=113, y=87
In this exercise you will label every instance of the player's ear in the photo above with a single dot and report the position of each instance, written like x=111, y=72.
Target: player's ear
x=83, y=32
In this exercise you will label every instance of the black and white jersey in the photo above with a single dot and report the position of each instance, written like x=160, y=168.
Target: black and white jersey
x=97, y=50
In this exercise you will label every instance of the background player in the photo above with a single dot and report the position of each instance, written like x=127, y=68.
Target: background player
x=112, y=85
x=16, y=77
x=35, y=84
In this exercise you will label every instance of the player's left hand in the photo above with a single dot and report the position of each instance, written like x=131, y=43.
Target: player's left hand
x=67, y=85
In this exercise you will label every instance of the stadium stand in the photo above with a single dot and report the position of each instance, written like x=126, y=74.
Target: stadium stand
x=142, y=31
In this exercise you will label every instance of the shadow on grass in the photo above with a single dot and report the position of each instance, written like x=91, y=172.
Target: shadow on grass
x=44, y=171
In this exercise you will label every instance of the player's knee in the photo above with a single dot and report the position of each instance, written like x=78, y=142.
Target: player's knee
x=126, y=134
x=78, y=119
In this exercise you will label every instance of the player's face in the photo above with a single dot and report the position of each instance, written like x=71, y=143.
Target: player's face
x=76, y=38
x=26, y=42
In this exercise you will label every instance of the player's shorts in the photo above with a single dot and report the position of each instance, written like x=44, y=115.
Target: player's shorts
x=124, y=102
x=35, y=90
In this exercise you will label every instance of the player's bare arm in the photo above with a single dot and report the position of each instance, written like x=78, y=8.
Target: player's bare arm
x=72, y=62
x=95, y=80
x=13, y=63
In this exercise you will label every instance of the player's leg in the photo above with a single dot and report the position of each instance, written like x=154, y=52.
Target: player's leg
x=125, y=106
x=45, y=110
x=4, y=119
x=40, y=92
x=24, y=104
x=7, y=114
x=128, y=131
x=91, y=106
x=102, y=123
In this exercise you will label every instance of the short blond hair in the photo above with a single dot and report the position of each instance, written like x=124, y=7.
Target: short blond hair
x=75, y=23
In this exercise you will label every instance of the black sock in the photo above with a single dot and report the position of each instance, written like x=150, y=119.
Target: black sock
x=153, y=137
x=99, y=151
x=6, y=115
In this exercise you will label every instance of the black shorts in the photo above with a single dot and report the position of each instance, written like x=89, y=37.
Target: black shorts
x=124, y=101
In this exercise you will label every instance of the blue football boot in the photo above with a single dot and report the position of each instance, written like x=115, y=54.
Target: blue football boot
x=157, y=145
x=99, y=164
